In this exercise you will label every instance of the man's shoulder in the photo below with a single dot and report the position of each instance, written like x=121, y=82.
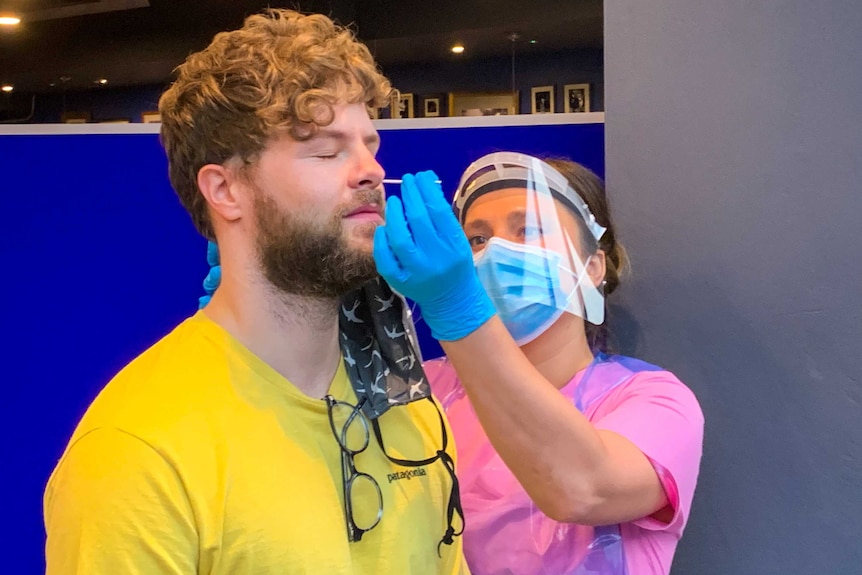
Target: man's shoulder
x=167, y=380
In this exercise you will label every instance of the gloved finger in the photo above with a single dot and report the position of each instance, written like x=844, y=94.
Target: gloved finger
x=398, y=234
x=432, y=192
x=385, y=260
x=439, y=210
x=421, y=228
x=212, y=253
x=411, y=195
x=213, y=280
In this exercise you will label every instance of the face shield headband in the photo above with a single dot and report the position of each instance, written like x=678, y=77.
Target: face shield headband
x=502, y=170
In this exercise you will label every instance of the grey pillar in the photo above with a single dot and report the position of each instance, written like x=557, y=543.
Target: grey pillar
x=734, y=163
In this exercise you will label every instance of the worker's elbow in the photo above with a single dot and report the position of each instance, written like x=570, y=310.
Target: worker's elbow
x=581, y=507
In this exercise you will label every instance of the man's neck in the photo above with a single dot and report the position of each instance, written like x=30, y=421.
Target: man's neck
x=296, y=336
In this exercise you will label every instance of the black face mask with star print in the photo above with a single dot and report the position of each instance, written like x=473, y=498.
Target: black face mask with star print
x=379, y=348
x=385, y=368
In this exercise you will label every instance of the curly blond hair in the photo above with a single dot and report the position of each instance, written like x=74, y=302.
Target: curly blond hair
x=282, y=72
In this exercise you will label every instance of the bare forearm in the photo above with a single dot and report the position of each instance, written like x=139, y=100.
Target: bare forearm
x=549, y=446
x=570, y=470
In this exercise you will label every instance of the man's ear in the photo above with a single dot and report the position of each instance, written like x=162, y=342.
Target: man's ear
x=218, y=184
x=596, y=267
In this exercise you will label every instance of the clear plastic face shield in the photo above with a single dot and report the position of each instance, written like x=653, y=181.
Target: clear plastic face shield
x=533, y=239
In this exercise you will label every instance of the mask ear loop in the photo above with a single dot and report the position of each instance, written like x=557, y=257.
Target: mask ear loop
x=590, y=298
x=410, y=327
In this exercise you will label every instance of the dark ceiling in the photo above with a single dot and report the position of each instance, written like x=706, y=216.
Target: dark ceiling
x=70, y=44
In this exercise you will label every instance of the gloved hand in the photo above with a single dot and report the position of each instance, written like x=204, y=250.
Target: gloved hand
x=213, y=278
x=422, y=253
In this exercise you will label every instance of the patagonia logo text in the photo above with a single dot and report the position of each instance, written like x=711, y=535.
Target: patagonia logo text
x=419, y=471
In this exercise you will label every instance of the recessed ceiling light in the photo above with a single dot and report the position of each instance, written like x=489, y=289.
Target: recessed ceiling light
x=9, y=20
x=457, y=49
x=7, y=88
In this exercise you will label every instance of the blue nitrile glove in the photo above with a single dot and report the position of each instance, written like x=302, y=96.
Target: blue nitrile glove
x=423, y=254
x=213, y=279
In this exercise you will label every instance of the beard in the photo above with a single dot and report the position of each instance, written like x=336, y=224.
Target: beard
x=309, y=259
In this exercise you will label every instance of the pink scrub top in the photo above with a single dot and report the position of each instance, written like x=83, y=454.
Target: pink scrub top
x=505, y=533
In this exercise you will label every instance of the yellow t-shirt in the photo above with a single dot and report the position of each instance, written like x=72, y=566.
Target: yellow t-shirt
x=199, y=458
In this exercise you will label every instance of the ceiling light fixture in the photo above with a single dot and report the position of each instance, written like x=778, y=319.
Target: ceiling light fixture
x=457, y=49
x=102, y=81
x=7, y=88
x=9, y=20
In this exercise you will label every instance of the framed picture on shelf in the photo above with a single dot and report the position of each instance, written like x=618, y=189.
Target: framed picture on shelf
x=75, y=117
x=406, y=106
x=576, y=98
x=432, y=107
x=483, y=104
x=151, y=117
x=401, y=106
x=542, y=100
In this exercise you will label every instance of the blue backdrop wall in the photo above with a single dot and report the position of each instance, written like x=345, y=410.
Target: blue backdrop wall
x=99, y=260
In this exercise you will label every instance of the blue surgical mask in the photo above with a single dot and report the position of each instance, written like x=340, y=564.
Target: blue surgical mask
x=523, y=282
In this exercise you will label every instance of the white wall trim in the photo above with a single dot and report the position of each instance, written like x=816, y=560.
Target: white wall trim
x=382, y=125
x=491, y=121
x=77, y=129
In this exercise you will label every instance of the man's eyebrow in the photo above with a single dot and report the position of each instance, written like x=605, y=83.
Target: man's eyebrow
x=326, y=133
